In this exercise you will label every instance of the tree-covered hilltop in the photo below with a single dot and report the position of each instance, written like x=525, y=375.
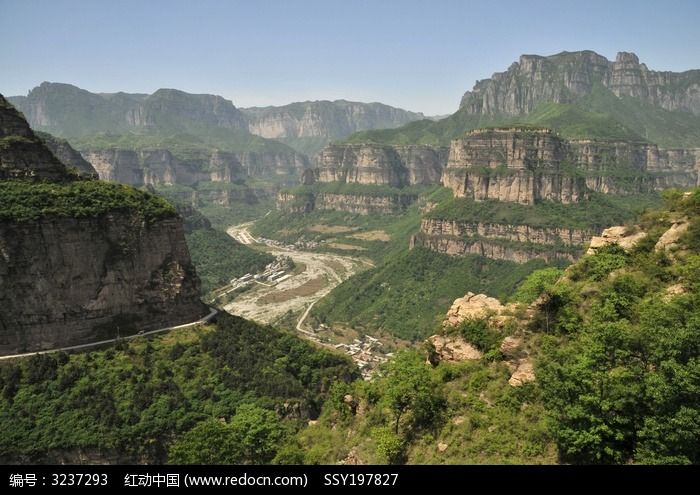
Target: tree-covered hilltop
x=22, y=201
x=158, y=399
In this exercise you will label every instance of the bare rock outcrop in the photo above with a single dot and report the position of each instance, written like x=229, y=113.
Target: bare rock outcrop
x=669, y=240
x=518, y=243
x=514, y=165
x=68, y=280
x=161, y=167
x=524, y=373
x=617, y=235
x=472, y=306
x=23, y=155
x=362, y=204
x=453, y=349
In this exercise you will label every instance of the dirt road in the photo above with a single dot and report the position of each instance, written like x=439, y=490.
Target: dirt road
x=333, y=268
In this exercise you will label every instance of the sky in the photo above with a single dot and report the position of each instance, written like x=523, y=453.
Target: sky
x=421, y=55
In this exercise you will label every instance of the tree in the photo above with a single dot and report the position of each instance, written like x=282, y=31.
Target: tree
x=258, y=433
x=210, y=442
x=251, y=437
x=408, y=386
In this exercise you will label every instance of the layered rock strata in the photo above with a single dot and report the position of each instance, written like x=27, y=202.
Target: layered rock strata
x=371, y=164
x=560, y=78
x=531, y=165
x=160, y=167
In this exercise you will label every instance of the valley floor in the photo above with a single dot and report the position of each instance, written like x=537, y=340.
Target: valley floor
x=320, y=274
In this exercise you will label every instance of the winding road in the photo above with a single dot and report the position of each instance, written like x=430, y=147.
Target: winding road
x=207, y=318
x=334, y=268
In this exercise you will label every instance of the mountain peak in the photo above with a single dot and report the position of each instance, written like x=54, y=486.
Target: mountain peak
x=626, y=58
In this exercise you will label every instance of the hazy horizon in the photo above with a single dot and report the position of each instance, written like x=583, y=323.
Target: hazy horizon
x=416, y=55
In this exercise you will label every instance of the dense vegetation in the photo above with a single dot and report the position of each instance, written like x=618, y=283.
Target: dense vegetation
x=601, y=211
x=27, y=201
x=455, y=413
x=620, y=370
x=146, y=399
x=219, y=258
x=409, y=294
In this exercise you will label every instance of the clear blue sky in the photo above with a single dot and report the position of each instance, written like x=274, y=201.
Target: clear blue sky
x=420, y=55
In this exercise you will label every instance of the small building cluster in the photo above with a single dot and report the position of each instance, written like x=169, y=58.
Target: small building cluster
x=274, y=272
x=366, y=353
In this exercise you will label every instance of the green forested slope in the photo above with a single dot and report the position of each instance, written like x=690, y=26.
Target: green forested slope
x=134, y=400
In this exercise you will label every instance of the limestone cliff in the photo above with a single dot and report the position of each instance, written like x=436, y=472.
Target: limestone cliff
x=516, y=165
x=22, y=154
x=167, y=137
x=67, y=281
x=620, y=167
x=160, y=167
x=395, y=166
x=568, y=75
x=204, y=196
x=494, y=248
x=527, y=165
x=67, y=155
x=77, y=268
x=518, y=243
x=310, y=125
x=515, y=233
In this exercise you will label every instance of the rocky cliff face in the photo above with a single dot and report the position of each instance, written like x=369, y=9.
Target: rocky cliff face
x=165, y=107
x=560, y=78
x=530, y=165
x=519, y=243
x=619, y=167
x=312, y=124
x=352, y=203
x=66, y=280
x=223, y=197
x=395, y=166
x=160, y=167
x=515, y=233
x=515, y=165
x=70, y=281
x=22, y=154
x=518, y=252
x=67, y=155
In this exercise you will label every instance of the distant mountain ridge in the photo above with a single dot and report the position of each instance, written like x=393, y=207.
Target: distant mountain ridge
x=310, y=125
x=68, y=111
x=566, y=76
x=580, y=94
x=181, y=138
